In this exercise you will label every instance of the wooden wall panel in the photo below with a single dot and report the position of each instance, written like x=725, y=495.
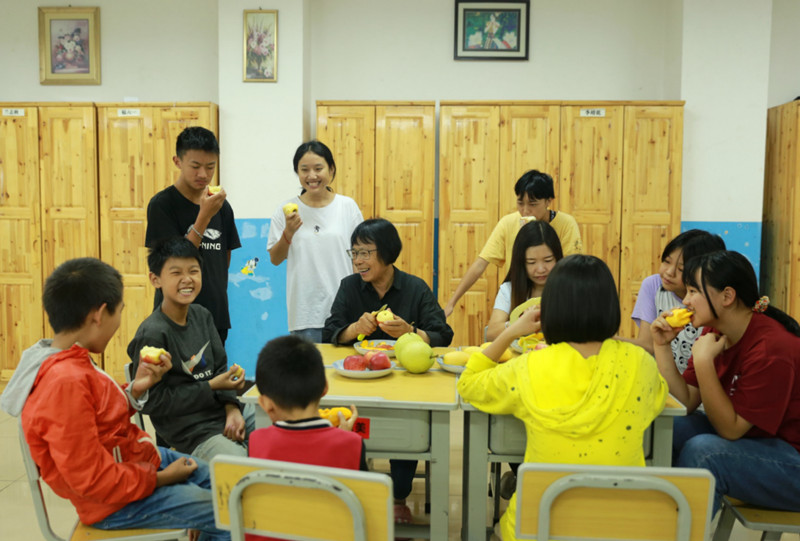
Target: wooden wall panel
x=21, y=315
x=651, y=197
x=349, y=131
x=590, y=185
x=468, y=211
x=68, y=178
x=405, y=154
x=529, y=139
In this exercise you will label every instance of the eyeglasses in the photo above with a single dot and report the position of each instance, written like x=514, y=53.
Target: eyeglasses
x=360, y=254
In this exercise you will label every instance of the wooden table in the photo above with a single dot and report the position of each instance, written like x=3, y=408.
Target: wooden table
x=477, y=455
x=409, y=419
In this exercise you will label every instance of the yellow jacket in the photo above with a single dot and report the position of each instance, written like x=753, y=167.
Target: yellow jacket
x=575, y=410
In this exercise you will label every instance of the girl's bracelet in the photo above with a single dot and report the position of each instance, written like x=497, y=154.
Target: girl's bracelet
x=286, y=238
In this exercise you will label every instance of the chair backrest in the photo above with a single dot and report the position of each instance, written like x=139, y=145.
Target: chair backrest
x=610, y=502
x=34, y=482
x=129, y=377
x=287, y=499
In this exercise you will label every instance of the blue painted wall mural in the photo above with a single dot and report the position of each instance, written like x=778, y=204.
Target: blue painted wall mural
x=256, y=296
x=742, y=237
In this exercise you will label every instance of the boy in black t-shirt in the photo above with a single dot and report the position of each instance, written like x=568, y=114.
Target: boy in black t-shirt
x=187, y=208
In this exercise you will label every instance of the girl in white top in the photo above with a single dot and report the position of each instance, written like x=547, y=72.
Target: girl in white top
x=536, y=250
x=314, y=239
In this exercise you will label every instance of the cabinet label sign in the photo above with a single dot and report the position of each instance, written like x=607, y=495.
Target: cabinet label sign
x=128, y=112
x=593, y=112
x=13, y=112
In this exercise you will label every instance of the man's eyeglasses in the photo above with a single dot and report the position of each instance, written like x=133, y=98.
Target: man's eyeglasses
x=360, y=254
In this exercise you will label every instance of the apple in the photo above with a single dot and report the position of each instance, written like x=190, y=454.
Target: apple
x=404, y=339
x=289, y=208
x=355, y=362
x=416, y=357
x=214, y=190
x=239, y=371
x=369, y=355
x=152, y=355
x=379, y=361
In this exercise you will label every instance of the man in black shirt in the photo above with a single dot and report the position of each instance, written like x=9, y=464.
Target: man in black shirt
x=188, y=208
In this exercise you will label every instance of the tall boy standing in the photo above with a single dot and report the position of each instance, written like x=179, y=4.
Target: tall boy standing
x=188, y=209
x=76, y=419
x=194, y=407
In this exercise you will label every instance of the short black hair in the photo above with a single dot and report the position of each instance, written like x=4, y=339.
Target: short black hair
x=383, y=234
x=536, y=184
x=162, y=250
x=320, y=149
x=693, y=242
x=580, y=302
x=196, y=138
x=290, y=372
x=77, y=287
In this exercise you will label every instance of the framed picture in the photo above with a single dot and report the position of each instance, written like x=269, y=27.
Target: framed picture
x=492, y=30
x=260, y=46
x=69, y=46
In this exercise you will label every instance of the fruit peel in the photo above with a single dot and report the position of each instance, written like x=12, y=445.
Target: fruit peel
x=680, y=317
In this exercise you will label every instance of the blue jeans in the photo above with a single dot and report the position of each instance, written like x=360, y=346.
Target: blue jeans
x=312, y=335
x=184, y=505
x=761, y=471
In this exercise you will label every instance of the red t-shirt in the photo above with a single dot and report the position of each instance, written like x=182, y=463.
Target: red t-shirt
x=761, y=376
x=313, y=442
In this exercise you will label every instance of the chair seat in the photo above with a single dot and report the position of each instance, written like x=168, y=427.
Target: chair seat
x=764, y=519
x=82, y=532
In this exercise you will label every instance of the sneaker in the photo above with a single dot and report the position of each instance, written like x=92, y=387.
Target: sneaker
x=508, y=485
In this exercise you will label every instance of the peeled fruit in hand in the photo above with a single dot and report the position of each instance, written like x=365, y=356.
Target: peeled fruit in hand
x=239, y=371
x=152, y=355
x=379, y=361
x=214, y=190
x=416, y=357
x=680, y=317
x=289, y=208
x=404, y=339
x=385, y=315
x=355, y=362
x=332, y=414
x=456, y=358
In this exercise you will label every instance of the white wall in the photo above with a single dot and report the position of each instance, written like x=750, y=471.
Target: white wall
x=150, y=49
x=261, y=124
x=784, y=73
x=725, y=80
x=389, y=50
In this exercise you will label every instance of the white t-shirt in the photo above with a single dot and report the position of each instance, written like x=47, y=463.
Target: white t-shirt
x=503, y=299
x=317, y=259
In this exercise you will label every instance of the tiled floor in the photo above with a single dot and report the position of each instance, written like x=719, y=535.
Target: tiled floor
x=18, y=522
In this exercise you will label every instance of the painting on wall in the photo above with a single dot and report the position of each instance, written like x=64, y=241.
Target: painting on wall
x=491, y=30
x=69, y=46
x=260, y=46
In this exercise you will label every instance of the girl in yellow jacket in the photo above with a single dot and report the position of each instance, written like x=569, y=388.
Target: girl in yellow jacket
x=584, y=399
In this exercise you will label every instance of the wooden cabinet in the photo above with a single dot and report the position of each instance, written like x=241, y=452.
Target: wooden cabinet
x=136, y=144
x=386, y=161
x=780, y=236
x=616, y=166
x=48, y=210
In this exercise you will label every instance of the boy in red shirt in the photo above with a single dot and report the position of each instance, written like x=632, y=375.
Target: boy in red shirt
x=76, y=419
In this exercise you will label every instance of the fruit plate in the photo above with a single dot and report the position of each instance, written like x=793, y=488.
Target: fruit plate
x=373, y=345
x=454, y=368
x=360, y=374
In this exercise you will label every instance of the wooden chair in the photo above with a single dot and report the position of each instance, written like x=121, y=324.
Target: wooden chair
x=771, y=522
x=560, y=501
x=80, y=531
x=285, y=499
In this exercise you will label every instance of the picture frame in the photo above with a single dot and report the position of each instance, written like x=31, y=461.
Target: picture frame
x=69, y=45
x=492, y=30
x=260, y=47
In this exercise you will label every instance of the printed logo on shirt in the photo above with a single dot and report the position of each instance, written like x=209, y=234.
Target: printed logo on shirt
x=733, y=385
x=195, y=361
x=213, y=234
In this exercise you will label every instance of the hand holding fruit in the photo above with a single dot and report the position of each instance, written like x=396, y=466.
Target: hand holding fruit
x=344, y=418
x=212, y=201
x=293, y=220
x=214, y=190
x=529, y=322
x=366, y=324
x=680, y=317
x=228, y=380
x=176, y=472
x=395, y=327
x=154, y=363
x=662, y=332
